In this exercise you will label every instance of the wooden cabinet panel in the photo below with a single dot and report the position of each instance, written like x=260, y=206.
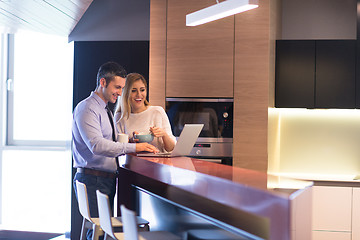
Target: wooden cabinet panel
x=157, y=60
x=251, y=87
x=335, y=74
x=199, y=59
x=295, y=73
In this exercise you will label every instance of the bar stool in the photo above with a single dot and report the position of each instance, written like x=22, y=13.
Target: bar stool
x=129, y=223
x=94, y=223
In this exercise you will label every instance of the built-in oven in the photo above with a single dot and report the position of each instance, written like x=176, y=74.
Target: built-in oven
x=216, y=139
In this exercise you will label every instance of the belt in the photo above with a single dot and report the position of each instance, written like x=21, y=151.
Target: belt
x=96, y=172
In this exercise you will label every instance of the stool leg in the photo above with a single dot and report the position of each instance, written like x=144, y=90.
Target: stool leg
x=97, y=232
x=106, y=237
x=147, y=227
x=83, y=230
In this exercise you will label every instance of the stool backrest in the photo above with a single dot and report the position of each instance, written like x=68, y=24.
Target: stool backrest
x=83, y=201
x=129, y=224
x=105, y=213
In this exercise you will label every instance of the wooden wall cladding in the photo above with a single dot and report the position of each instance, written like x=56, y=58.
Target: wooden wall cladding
x=251, y=87
x=231, y=57
x=157, y=60
x=199, y=59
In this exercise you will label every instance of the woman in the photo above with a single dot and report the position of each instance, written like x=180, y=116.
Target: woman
x=135, y=115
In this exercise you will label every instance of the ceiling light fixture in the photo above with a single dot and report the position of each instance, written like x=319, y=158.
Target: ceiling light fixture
x=220, y=10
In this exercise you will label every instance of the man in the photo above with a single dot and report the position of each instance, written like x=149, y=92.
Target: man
x=94, y=151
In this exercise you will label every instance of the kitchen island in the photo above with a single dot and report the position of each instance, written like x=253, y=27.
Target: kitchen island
x=192, y=198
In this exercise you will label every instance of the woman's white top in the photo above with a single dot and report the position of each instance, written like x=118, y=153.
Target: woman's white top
x=153, y=116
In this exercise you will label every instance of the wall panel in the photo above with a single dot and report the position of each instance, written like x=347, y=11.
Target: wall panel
x=199, y=58
x=157, y=61
x=251, y=87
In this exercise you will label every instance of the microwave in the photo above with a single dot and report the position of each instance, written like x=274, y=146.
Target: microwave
x=216, y=138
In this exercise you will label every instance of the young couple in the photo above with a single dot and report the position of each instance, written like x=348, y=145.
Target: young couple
x=93, y=146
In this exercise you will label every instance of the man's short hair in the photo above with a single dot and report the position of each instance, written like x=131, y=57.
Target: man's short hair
x=109, y=70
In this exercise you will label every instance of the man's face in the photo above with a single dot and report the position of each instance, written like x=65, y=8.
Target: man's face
x=112, y=90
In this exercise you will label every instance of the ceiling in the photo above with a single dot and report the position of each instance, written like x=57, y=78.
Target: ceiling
x=48, y=16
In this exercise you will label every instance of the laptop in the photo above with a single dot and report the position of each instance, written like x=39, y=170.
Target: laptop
x=184, y=144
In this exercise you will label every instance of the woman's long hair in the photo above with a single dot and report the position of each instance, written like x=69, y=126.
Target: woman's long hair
x=123, y=104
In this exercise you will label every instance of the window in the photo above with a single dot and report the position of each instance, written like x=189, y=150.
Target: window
x=39, y=90
x=36, y=113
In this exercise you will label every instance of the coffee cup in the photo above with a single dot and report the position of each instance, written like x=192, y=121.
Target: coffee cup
x=144, y=137
x=123, y=138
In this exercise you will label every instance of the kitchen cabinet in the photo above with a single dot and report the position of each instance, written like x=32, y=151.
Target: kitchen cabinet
x=200, y=60
x=332, y=208
x=331, y=236
x=356, y=214
x=315, y=73
x=335, y=74
x=295, y=73
x=336, y=212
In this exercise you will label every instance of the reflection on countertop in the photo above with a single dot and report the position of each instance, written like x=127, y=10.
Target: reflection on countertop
x=185, y=168
x=225, y=192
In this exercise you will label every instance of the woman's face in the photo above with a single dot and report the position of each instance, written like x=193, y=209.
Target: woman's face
x=137, y=96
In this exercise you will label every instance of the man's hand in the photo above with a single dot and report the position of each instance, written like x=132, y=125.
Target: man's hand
x=133, y=140
x=141, y=147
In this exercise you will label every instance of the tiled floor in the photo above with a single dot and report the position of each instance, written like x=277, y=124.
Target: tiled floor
x=44, y=206
x=22, y=235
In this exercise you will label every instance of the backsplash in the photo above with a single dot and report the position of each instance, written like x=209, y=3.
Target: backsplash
x=314, y=142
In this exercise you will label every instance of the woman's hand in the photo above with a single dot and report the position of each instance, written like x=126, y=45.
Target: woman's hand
x=157, y=132
x=169, y=143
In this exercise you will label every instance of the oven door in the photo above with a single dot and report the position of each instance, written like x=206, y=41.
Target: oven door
x=216, y=138
x=215, y=114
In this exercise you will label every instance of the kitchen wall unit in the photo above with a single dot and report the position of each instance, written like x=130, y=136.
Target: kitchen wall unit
x=200, y=60
x=295, y=74
x=232, y=57
x=315, y=73
x=188, y=61
x=335, y=73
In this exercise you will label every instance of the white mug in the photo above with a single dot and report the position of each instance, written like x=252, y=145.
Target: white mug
x=123, y=138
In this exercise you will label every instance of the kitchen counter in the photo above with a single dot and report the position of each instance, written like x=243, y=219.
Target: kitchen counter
x=238, y=200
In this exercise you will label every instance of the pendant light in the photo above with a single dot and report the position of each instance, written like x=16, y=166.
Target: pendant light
x=220, y=10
